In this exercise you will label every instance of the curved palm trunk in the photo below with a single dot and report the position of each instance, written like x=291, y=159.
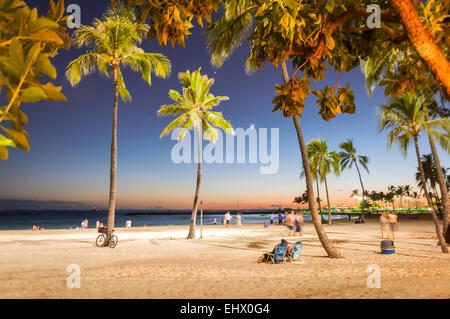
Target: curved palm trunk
x=326, y=243
x=441, y=181
x=318, y=201
x=191, y=234
x=430, y=202
x=328, y=202
x=423, y=41
x=363, y=219
x=113, y=160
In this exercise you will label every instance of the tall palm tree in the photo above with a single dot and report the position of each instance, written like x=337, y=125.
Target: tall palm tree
x=193, y=108
x=113, y=42
x=404, y=117
x=434, y=111
x=227, y=33
x=350, y=157
x=324, y=163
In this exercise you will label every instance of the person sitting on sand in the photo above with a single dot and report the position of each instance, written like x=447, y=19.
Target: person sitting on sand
x=265, y=257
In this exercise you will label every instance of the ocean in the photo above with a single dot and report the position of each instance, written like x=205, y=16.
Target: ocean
x=64, y=219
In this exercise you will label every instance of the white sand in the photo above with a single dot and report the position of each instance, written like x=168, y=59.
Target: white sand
x=157, y=262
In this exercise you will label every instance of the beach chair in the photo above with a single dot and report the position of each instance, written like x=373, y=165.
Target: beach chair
x=295, y=253
x=279, y=255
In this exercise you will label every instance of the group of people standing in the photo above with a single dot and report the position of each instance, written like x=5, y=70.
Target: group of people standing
x=388, y=224
x=227, y=219
x=293, y=222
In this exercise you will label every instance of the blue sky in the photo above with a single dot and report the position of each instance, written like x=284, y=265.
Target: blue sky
x=70, y=142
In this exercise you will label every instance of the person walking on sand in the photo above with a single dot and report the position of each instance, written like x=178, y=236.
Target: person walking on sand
x=392, y=219
x=215, y=221
x=384, y=225
x=272, y=218
x=290, y=223
x=239, y=219
x=280, y=219
x=298, y=223
x=227, y=219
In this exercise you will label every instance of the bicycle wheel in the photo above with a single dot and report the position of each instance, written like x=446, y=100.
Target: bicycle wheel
x=101, y=239
x=113, y=241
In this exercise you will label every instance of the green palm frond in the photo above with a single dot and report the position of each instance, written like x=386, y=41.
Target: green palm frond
x=228, y=32
x=123, y=91
x=179, y=122
x=194, y=104
x=172, y=109
x=84, y=65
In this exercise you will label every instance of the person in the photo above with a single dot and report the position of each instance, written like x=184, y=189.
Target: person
x=272, y=218
x=265, y=256
x=128, y=224
x=214, y=221
x=227, y=219
x=290, y=223
x=280, y=219
x=97, y=224
x=239, y=219
x=384, y=225
x=298, y=223
x=392, y=219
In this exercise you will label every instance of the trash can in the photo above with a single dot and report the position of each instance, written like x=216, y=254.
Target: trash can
x=387, y=247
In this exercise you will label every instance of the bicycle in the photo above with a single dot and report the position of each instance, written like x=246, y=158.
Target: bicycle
x=103, y=240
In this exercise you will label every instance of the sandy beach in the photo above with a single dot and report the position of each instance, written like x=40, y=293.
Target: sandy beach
x=157, y=262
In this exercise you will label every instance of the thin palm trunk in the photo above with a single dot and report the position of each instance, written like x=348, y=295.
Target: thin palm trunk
x=441, y=181
x=191, y=234
x=423, y=42
x=328, y=202
x=113, y=160
x=318, y=201
x=326, y=243
x=430, y=203
x=363, y=219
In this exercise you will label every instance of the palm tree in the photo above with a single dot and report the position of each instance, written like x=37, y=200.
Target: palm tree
x=193, y=110
x=323, y=162
x=400, y=191
x=113, y=41
x=434, y=111
x=315, y=175
x=348, y=158
x=407, y=190
x=431, y=178
x=405, y=118
x=227, y=33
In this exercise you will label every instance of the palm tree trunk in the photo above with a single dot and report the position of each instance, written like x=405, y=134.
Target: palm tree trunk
x=423, y=41
x=113, y=160
x=328, y=202
x=430, y=203
x=363, y=219
x=191, y=234
x=441, y=181
x=318, y=201
x=326, y=243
